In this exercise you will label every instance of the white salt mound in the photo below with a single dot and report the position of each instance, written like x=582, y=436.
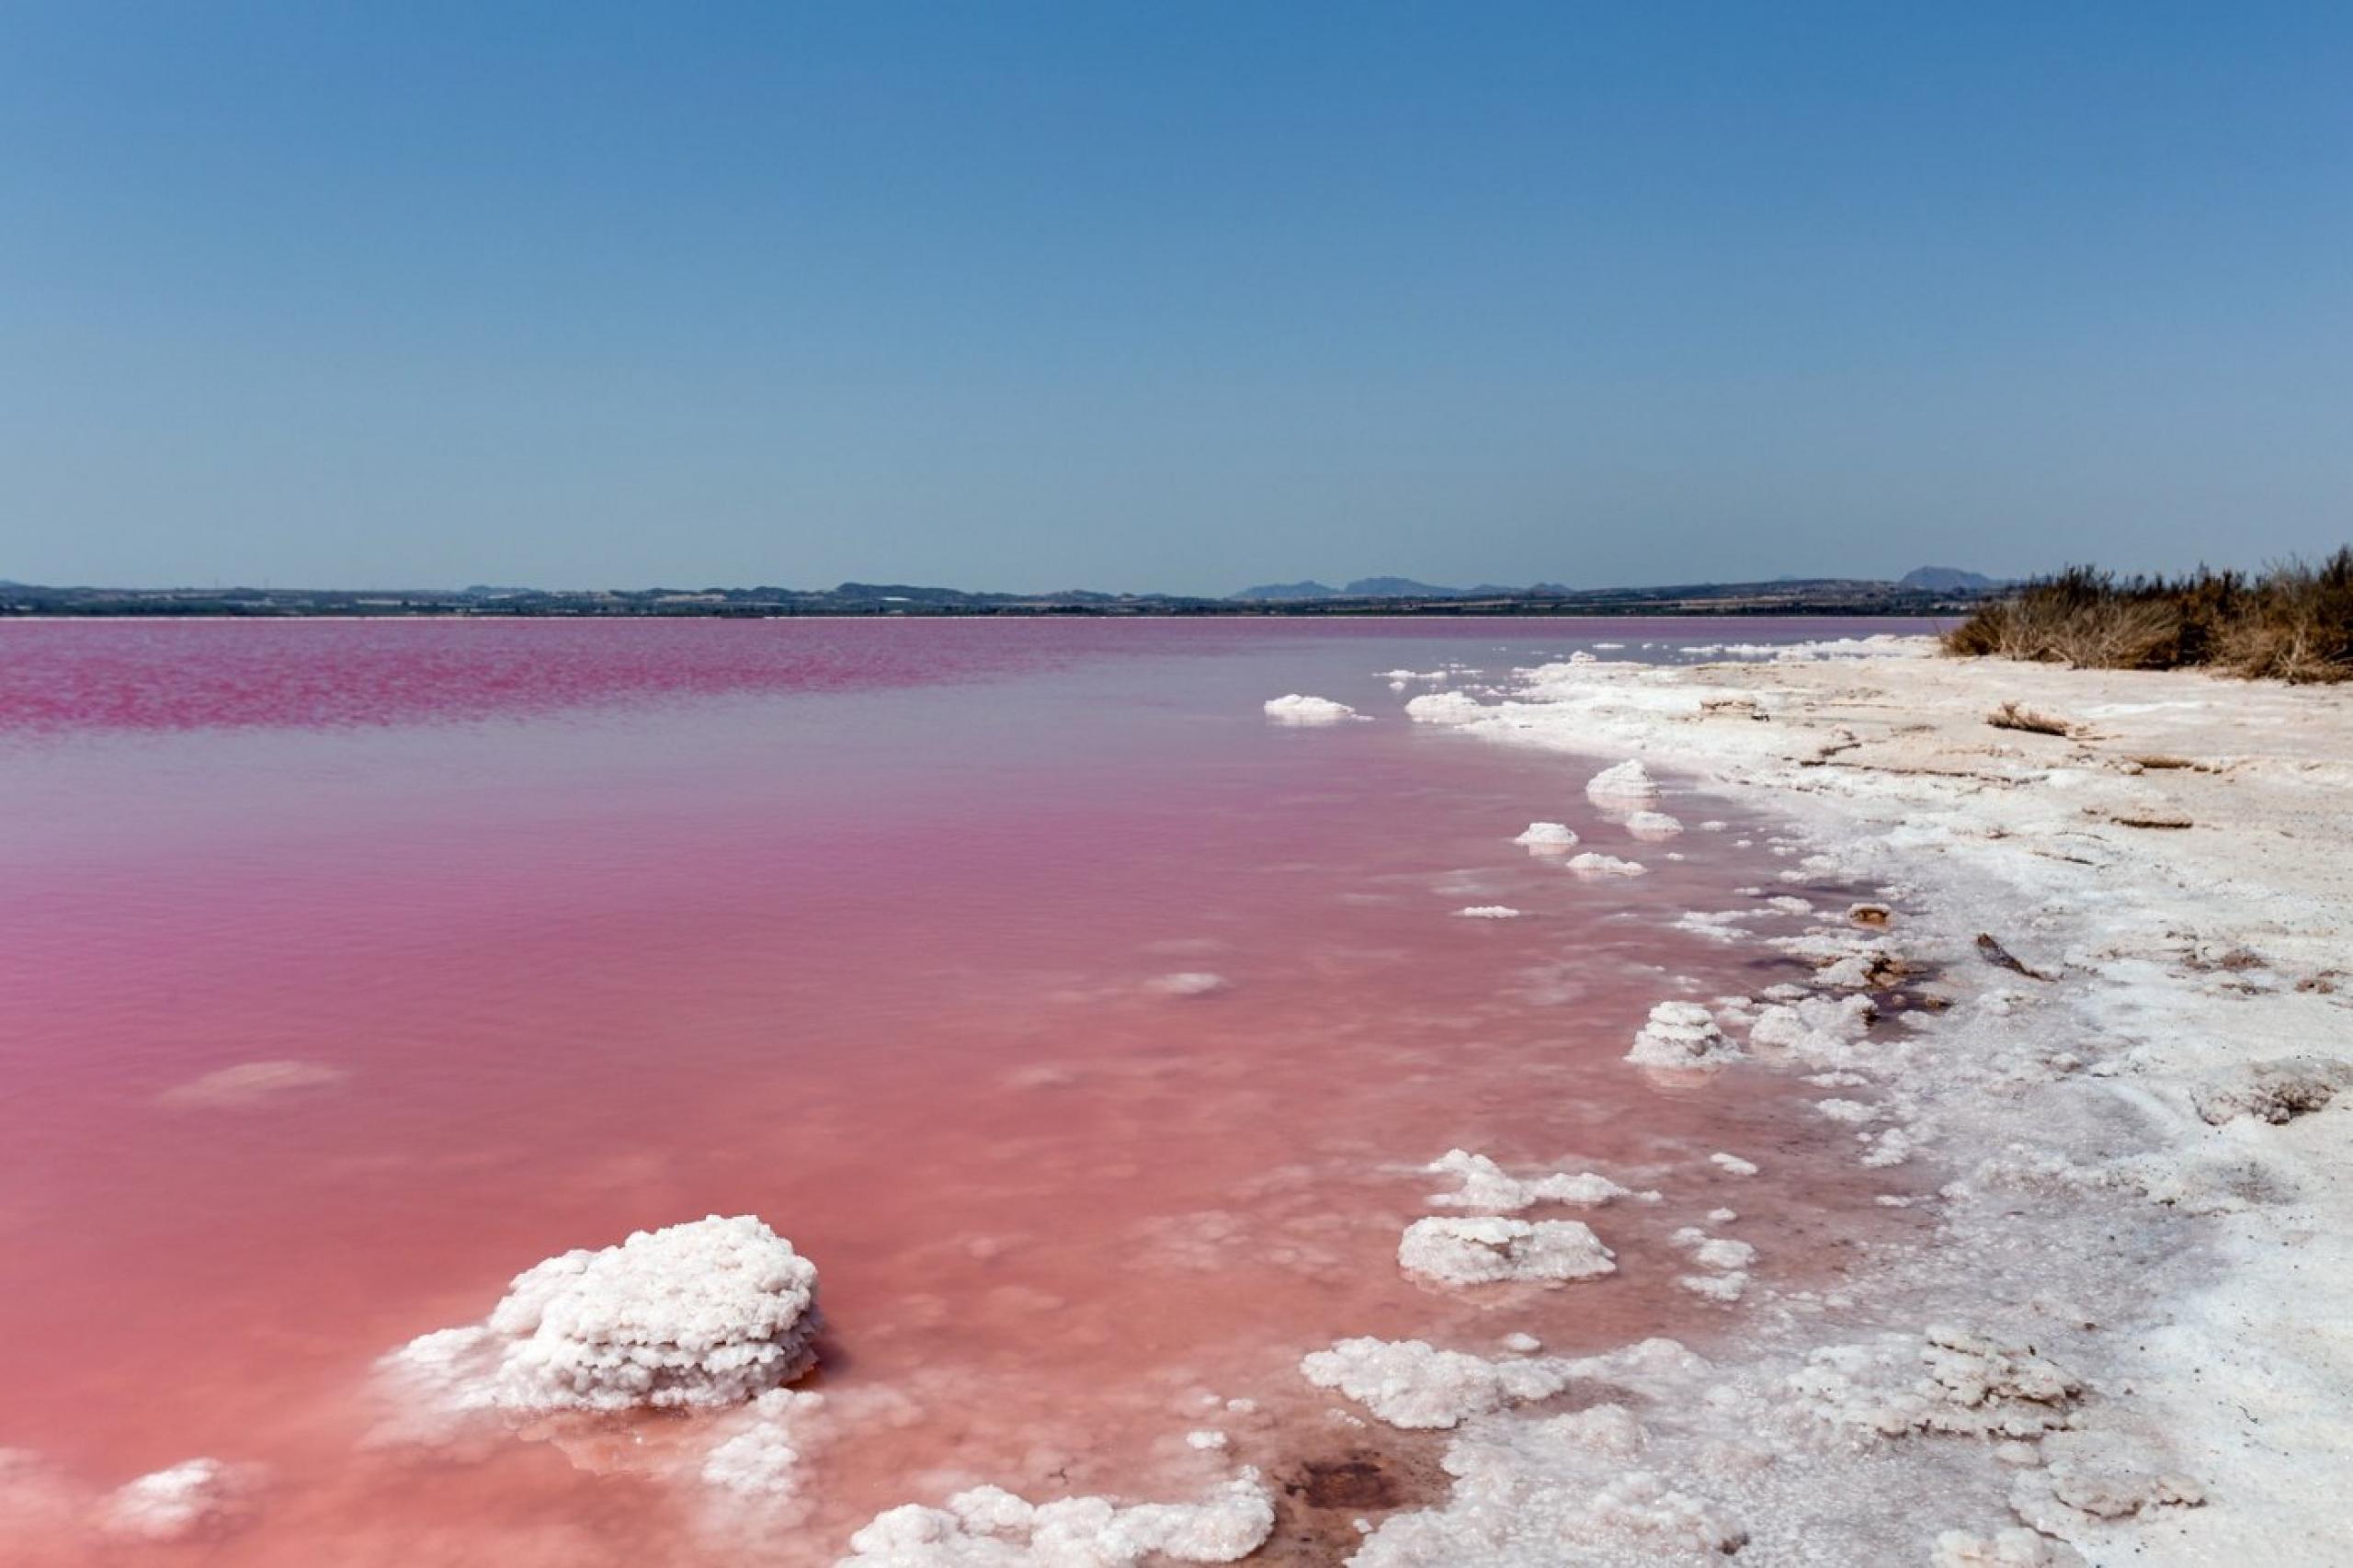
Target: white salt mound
x=694, y=1316
x=1731, y=1164
x=1408, y=1383
x=1490, y=1251
x=1489, y=912
x=1488, y=1189
x=991, y=1527
x=1681, y=1034
x=1545, y=837
x=1628, y=783
x=1653, y=825
x=1591, y=865
x=194, y=1498
x=1298, y=710
x=1443, y=708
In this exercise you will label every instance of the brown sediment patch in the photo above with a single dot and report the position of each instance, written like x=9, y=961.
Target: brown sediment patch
x=1320, y=1496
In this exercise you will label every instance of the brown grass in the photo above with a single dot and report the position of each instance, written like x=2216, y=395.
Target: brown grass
x=2294, y=622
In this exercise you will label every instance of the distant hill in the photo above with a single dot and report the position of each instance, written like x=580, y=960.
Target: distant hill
x=1399, y=588
x=1307, y=590
x=1945, y=580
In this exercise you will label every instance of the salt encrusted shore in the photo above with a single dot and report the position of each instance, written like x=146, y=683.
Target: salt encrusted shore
x=2121, y=1334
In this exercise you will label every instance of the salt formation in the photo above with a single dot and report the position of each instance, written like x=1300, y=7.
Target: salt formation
x=1731, y=1164
x=1726, y=1261
x=2097, y=1476
x=1569, y=1489
x=1629, y=783
x=699, y=1316
x=2277, y=1090
x=1820, y=1031
x=1951, y=1381
x=189, y=1500
x=1410, y=1384
x=1295, y=708
x=1443, y=708
x=1590, y=865
x=991, y=1527
x=1653, y=825
x=1190, y=983
x=1487, y=1189
x=1490, y=1251
x=250, y=1083
x=2006, y=1549
x=1547, y=838
x=1681, y=1034
x=1489, y=912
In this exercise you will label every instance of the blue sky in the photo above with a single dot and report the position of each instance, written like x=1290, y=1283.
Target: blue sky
x=1182, y=296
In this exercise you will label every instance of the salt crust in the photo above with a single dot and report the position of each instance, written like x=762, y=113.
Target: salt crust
x=1653, y=825
x=1592, y=865
x=1296, y=708
x=1487, y=1188
x=1188, y=982
x=1487, y=1251
x=701, y=1316
x=1547, y=838
x=991, y=1527
x=190, y=1501
x=1444, y=708
x=1949, y=1380
x=1682, y=1034
x=2102, y=1081
x=252, y=1083
x=1489, y=912
x=1628, y=783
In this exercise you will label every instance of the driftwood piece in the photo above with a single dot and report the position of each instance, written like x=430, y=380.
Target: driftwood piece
x=1993, y=953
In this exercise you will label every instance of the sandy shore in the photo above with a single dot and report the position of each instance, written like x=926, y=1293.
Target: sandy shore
x=2121, y=1334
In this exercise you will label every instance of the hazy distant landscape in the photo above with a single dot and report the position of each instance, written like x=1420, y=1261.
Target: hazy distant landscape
x=1929, y=590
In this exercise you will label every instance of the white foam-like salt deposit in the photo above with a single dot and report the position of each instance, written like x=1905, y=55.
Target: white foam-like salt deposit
x=1487, y=1188
x=991, y=1527
x=1188, y=982
x=1488, y=1251
x=1731, y=1164
x=1444, y=708
x=252, y=1083
x=1298, y=708
x=702, y=1315
x=1547, y=838
x=1411, y=1384
x=1653, y=826
x=1592, y=865
x=190, y=1501
x=1489, y=912
x=1682, y=1034
x=1628, y=783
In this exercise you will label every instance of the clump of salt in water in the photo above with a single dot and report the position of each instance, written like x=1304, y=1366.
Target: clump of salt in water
x=1628, y=784
x=1591, y=865
x=1682, y=1034
x=1296, y=708
x=1547, y=838
x=699, y=1316
x=991, y=1527
x=195, y=1500
x=1489, y=1251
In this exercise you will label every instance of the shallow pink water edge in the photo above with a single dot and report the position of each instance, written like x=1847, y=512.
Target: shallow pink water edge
x=874, y=959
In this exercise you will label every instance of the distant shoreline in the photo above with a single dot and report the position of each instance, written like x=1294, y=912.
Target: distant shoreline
x=1813, y=598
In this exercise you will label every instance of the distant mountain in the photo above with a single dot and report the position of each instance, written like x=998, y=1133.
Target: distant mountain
x=1945, y=580
x=1307, y=590
x=1398, y=588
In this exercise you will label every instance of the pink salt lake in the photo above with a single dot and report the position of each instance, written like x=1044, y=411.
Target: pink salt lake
x=575, y=929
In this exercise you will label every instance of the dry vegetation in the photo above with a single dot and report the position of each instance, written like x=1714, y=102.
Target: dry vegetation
x=2294, y=622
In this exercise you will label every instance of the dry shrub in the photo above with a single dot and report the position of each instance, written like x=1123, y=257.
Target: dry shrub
x=2294, y=624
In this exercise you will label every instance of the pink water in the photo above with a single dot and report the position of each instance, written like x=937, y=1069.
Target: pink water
x=848, y=925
